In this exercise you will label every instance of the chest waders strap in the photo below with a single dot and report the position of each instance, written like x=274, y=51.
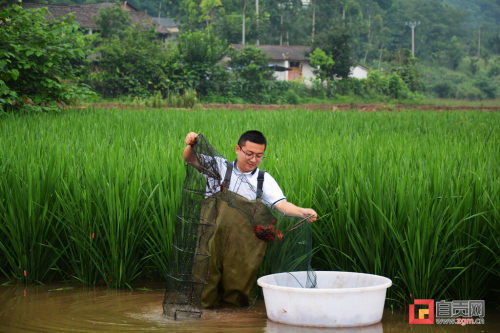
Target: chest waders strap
x=227, y=177
x=260, y=182
x=229, y=172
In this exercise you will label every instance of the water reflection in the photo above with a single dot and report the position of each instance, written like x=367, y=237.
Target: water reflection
x=60, y=309
x=77, y=309
x=273, y=327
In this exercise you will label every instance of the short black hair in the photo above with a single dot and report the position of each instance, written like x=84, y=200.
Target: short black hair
x=252, y=136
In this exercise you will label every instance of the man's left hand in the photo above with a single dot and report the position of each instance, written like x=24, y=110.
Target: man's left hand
x=310, y=212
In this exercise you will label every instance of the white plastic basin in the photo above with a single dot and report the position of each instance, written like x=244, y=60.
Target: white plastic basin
x=340, y=299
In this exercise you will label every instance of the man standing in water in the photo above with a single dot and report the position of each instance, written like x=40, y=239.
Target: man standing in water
x=235, y=252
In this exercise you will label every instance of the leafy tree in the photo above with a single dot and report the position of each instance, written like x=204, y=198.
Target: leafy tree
x=284, y=15
x=443, y=89
x=325, y=63
x=252, y=72
x=336, y=42
x=112, y=20
x=228, y=27
x=473, y=65
x=40, y=60
x=132, y=63
x=200, y=47
x=494, y=42
x=487, y=88
x=199, y=53
x=451, y=53
x=381, y=84
x=208, y=7
x=385, y=4
x=189, y=14
x=131, y=60
x=397, y=87
x=404, y=65
x=251, y=64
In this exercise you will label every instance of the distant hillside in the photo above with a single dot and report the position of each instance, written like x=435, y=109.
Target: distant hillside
x=479, y=12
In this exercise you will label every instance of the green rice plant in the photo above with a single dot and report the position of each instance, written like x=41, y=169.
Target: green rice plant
x=106, y=237
x=392, y=213
x=28, y=227
x=84, y=260
x=119, y=193
x=92, y=194
x=168, y=179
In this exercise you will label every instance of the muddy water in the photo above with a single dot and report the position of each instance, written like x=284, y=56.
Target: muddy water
x=77, y=309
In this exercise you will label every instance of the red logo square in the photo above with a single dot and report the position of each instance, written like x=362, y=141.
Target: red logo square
x=422, y=312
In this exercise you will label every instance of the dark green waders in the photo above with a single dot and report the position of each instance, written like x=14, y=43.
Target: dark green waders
x=234, y=253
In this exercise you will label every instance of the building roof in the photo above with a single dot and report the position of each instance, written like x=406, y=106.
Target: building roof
x=166, y=21
x=169, y=23
x=85, y=14
x=276, y=52
x=361, y=67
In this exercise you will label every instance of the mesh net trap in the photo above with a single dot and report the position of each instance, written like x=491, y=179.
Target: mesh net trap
x=223, y=240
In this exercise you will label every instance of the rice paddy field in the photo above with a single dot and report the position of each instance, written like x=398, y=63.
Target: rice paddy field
x=91, y=195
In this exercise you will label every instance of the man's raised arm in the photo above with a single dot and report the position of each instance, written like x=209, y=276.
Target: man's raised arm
x=189, y=154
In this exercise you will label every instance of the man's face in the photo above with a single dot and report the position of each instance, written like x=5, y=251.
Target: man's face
x=249, y=156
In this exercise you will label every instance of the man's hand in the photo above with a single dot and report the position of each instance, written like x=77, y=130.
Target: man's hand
x=309, y=211
x=191, y=138
x=289, y=209
x=189, y=154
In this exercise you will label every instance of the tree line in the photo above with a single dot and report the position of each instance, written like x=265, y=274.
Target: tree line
x=118, y=61
x=446, y=31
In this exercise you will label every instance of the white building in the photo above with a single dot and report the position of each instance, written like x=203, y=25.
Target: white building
x=359, y=72
x=292, y=64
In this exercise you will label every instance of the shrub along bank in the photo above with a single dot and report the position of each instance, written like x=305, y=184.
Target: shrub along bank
x=40, y=60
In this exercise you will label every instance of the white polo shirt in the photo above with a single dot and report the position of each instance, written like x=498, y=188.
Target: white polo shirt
x=245, y=183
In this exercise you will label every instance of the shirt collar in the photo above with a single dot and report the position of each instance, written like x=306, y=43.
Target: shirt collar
x=236, y=167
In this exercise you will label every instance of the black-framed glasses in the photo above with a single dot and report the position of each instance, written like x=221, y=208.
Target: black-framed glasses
x=250, y=155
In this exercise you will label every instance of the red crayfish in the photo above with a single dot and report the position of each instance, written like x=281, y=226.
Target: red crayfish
x=267, y=234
